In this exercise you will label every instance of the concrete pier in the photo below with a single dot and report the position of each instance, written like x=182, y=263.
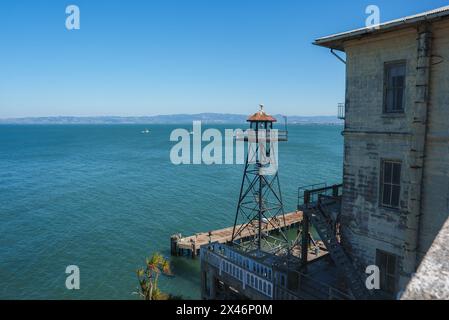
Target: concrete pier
x=180, y=246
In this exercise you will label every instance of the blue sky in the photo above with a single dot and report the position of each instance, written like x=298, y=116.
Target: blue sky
x=189, y=56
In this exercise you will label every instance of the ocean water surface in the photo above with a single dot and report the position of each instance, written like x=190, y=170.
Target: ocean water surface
x=104, y=197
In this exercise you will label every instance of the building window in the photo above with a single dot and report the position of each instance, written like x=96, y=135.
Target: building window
x=390, y=183
x=387, y=264
x=394, y=84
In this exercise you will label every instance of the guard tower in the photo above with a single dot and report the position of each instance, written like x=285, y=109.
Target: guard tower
x=260, y=210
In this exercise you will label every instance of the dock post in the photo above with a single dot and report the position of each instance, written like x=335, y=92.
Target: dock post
x=193, y=249
x=174, y=244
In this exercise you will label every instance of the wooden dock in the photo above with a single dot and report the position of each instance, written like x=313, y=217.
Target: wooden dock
x=191, y=245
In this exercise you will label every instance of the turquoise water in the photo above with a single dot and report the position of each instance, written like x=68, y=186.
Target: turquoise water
x=105, y=197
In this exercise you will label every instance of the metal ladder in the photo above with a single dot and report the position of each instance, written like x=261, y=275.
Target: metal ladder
x=324, y=226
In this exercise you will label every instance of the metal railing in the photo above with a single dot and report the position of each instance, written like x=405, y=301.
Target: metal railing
x=341, y=111
x=312, y=193
x=215, y=254
x=302, y=191
x=239, y=268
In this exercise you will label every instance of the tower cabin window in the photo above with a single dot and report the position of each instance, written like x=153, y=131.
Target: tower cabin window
x=390, y=183
x=394, y=84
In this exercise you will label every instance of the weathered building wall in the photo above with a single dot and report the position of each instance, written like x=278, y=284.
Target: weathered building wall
x=435, y=206
x=371, y=136
x=365, y=80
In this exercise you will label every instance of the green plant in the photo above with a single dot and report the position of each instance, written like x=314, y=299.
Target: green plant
x=149, y=276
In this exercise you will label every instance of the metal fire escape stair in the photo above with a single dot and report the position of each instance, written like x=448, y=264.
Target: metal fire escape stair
x=319, y=216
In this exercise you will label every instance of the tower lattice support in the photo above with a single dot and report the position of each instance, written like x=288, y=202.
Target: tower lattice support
x=259, y=221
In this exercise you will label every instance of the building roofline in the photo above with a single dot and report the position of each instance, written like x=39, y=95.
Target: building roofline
x=336, y=41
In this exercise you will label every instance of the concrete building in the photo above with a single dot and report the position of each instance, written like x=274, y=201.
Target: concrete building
x=396, y=157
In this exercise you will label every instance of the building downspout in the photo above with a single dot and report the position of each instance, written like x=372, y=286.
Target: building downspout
x=338, y=57
x=418, y=146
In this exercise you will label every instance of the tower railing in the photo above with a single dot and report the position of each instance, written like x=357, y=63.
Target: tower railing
x=261, y=135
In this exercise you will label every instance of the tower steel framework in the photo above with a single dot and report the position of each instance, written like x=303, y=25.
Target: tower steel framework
x=260, y=220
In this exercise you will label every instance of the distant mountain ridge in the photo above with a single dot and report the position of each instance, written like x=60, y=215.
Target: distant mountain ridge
x=210, y=118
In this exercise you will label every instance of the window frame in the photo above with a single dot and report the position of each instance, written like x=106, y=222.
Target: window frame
x=387, y=66
x=385, y=275
x=392, y=184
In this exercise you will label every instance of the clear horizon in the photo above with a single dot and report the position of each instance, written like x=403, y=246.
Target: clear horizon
x=134, y=58
x=163, y=115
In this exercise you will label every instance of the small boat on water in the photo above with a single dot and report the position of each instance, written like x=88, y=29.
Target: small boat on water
x=146, y=131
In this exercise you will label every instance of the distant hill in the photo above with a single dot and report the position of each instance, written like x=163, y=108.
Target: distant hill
x=210, y=118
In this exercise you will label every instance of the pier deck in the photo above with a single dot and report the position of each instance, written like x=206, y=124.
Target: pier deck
x=191, y=244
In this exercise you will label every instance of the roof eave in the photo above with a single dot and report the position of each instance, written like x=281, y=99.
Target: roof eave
x=336, y=42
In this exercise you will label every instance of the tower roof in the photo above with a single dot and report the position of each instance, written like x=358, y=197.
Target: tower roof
x=261, y=116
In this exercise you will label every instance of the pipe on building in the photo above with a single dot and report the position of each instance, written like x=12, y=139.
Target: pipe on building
x=338, y=57
x=417, y=152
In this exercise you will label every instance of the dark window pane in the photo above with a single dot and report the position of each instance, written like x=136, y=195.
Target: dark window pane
x=386, y=200
x=389, y=100
x=381, y=259
x=387, y=172
x=398, y=81
x=382, y=281
x=390, y=285
x=396, y=173
x=395, y=195
x=391, y=180
x=391, y=266
x=394, y=87
x=398, y=97
x=400, y=71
